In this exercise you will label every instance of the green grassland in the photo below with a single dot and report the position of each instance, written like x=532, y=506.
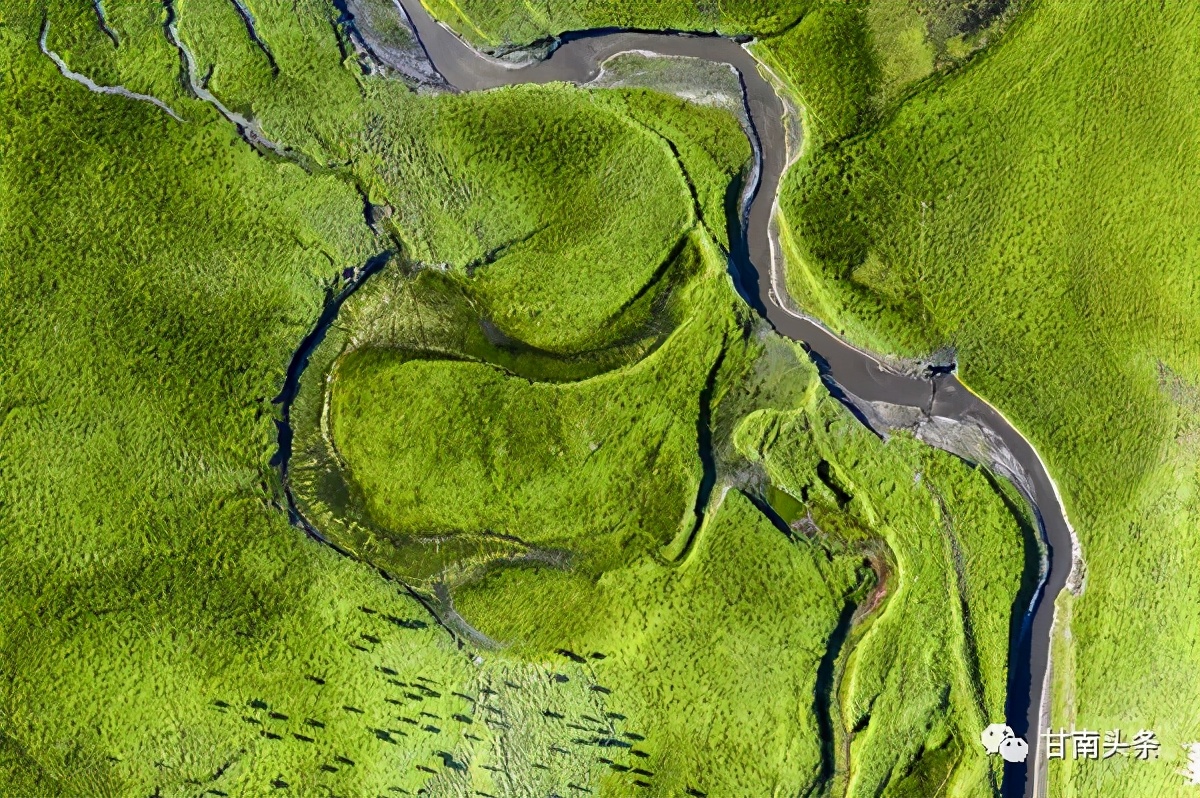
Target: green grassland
x=539, y=372
x=305, y=62
x=278, y=79
x=1031, y=211
x=164, y=627
x=521, y=460
x=525, y=191
x=503, y=187
x=918, y=684
x=728, y=711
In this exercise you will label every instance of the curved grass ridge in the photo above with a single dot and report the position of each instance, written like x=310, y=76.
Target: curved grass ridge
x=372, y=327
x=488, y=588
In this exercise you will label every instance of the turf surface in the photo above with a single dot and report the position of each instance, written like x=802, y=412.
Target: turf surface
x=1030, y=212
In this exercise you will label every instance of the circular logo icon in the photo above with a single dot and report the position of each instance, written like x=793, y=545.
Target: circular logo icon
x=993, y=736
x=1014, y=749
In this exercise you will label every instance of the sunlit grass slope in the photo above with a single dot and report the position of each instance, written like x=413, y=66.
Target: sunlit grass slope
x=1034, y=211
x=527, y=191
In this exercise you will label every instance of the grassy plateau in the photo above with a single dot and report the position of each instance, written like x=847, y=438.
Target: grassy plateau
x=606, y=533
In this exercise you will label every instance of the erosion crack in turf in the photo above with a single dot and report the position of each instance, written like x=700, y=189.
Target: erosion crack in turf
x=248, y=128
x=252, y=31
x=102, y=21
x=92, y=85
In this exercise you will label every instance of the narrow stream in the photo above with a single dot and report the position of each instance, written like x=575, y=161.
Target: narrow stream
x=756, y=261
x=93, y=85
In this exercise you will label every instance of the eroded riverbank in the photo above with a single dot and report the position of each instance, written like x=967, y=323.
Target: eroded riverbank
x=952, y=417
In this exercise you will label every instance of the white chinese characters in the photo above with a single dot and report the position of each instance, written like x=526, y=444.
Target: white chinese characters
x=994, y=735
x=1088, y=744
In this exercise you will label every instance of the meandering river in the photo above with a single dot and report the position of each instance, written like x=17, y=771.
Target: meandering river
x=946, y=413
x=936, y=397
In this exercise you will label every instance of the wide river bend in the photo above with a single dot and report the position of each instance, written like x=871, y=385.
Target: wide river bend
x=578, y=58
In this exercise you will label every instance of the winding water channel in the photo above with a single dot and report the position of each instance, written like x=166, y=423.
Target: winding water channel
x=934, y=398
x=935, y=404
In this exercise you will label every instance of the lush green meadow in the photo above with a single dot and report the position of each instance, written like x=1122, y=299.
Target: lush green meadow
x=551, y=501
x=1031, y=211
x=561, y=516
x=1026, y=207
x=550, y=412
x=922, y=676
x=537, y=213
x=165, y=629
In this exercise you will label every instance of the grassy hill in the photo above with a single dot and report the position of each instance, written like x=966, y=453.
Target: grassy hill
x=1031, y=211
